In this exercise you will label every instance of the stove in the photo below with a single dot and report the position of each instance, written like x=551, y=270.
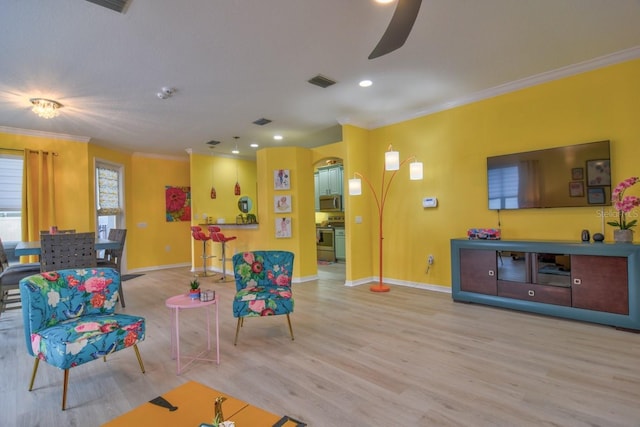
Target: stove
x=325, y=237
x=335, y=221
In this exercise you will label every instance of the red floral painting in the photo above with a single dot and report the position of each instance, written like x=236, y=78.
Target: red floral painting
x=178, y=203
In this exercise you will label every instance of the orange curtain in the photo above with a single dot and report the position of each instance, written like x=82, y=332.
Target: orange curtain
x=38, y=196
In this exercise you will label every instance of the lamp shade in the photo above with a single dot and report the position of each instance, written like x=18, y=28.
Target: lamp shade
x=391, y=160
x=355, y=187
x=415, y=171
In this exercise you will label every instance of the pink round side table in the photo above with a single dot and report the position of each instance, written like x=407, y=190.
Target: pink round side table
x=184, y=302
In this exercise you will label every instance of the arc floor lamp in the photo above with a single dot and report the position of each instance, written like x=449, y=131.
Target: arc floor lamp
x=391, y=163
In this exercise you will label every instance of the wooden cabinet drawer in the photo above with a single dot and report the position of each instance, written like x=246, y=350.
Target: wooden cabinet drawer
x=532, y=292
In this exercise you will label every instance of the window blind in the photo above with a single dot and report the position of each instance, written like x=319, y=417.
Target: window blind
x=108, y=182
x=11, y=183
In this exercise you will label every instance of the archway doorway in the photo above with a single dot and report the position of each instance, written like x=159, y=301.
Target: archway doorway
x=331, y=232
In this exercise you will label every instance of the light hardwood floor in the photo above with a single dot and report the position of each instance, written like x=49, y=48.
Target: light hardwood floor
x=409, y=358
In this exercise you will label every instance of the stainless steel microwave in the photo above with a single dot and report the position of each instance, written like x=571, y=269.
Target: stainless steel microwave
x=331, y=203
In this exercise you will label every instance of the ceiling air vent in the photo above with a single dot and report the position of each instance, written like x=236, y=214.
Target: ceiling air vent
x=117, y=5
x=261, y=122
x=321, y=81
x=213, y=143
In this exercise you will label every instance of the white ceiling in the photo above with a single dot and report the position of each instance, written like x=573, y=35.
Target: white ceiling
x=235, y=61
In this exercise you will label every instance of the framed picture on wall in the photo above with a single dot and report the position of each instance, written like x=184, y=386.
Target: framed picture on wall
x=177, y=203
x=283, y=227
x=577, y=174
x=595, y=196
x=576, y=189
x=598, y=172
x=281, y=179
x=282, y=204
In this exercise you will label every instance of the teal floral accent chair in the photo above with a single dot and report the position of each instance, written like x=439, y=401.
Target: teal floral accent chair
x=263, y=286
x=69, y=319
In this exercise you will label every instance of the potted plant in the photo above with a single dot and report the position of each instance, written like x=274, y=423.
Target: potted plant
x=624, y=204
x=194, y=292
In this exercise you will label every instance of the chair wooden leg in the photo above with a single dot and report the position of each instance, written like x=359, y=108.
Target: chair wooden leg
x=33, y=374
x=135, y=347
x=121, y=295
x=290, y=329
x=238, y=330
x=65, y=384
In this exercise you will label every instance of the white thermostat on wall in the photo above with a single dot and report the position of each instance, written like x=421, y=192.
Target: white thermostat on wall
x=429, y=202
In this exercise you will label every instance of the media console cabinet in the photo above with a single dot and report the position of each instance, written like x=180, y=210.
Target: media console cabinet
x=591, y=282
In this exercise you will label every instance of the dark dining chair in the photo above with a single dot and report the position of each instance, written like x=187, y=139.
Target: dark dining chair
x=113, y=257
x=10, y=276
x=62, y=251
x=67, y=231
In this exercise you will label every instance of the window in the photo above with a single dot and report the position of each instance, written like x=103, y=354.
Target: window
x=503, y=183
x=109, y=206
x=10, y=197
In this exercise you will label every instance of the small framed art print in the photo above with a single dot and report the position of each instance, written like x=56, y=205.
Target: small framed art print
x=281, y=179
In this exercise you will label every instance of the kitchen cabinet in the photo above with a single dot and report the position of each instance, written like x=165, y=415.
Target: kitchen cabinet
x=330, y=180
x=591, y=282
x=340, y=244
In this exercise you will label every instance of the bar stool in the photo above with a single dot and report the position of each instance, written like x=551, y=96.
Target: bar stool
x=218, y=237
x=198, y=234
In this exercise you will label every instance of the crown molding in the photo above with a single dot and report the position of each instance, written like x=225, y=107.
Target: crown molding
x=159, y=156
x=43, y=134
x=570, y=70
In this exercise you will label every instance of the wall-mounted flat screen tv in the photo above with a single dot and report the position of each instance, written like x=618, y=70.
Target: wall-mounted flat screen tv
x=570, y=176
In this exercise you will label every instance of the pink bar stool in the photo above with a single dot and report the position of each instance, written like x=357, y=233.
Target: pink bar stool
x=218, y=237
x=198, y=234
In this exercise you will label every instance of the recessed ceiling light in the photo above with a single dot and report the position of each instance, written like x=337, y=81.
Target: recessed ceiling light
x=365, y=83
x=254, y=145
x=383, y=1
x=277, y=137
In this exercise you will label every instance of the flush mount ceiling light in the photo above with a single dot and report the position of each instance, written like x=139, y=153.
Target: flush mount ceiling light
x=45, y=108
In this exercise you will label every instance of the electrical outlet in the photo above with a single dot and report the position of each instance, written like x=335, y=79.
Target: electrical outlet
x=430, y=260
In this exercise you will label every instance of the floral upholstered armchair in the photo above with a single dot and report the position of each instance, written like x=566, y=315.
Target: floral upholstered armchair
x=263, y=285
x=69, y=319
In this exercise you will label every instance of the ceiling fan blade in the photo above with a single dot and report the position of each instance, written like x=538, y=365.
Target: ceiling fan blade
x=399, y=28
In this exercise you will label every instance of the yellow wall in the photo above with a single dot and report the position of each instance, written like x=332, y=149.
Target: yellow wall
x=152, y=241
x=72, y=178
x=221, y=173
x=454, y=144
x=299, y=163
